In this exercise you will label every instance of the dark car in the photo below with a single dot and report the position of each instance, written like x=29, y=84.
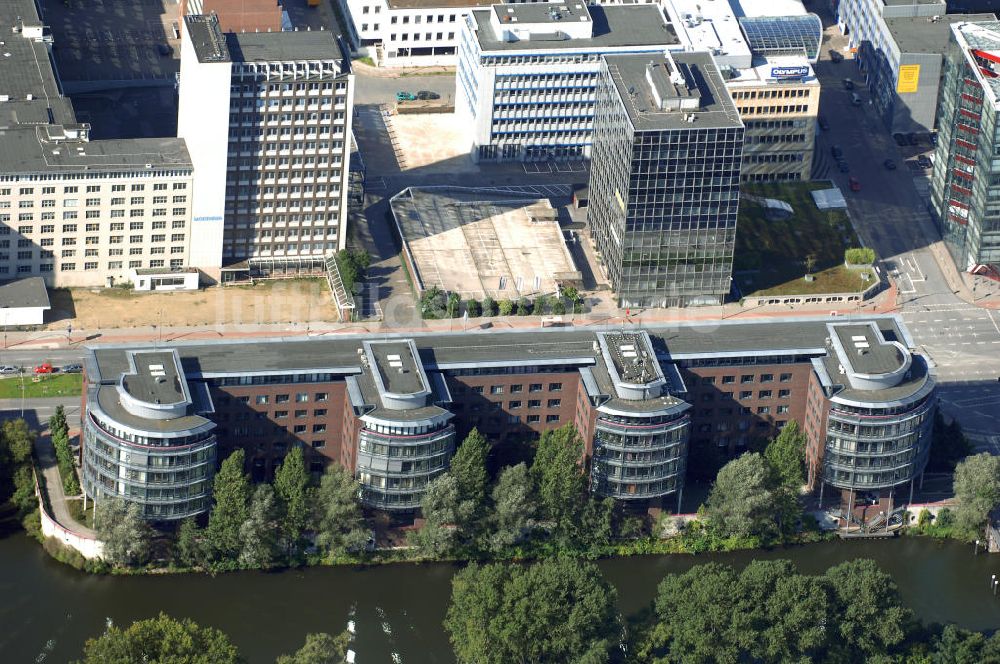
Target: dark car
x=425, y=95
x=836, y=152
x=843, y=166
x=164, y=50
x=823, y=124
x=900, y=139
x=924, y=162
x=72, y=368
x=836, y=56
x=889, y=164
x=912, y=139
x=854, y=183
x=848, y=84
x=934, y=139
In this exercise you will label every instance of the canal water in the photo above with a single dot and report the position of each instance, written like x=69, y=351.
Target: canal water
x=48, y=610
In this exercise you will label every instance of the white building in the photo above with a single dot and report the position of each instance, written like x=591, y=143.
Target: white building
x=73, y=211
x=24, y=302
x=409, y=33
x=527, y=73
x=267, y=118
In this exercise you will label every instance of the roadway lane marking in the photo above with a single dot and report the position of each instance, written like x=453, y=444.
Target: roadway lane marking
x=993, y=320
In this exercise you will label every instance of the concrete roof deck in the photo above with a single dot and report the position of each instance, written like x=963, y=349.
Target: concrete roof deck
x=156, y=378
x=399, y=370
x=472, y=241
x=24, y=293
x=633, y=360
x=109, y=401
x=920, y=35
x=919, y=375
x=438, y=4
x=614, y=26
x=716, y=108
x=866, y=353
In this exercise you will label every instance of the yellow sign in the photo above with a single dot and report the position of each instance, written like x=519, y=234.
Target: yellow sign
x=909, y=75
x=621, y=201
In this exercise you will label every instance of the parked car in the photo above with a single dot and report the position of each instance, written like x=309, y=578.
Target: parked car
x=424, y=95
x=889, y=164
x=836, y=56
x=837, y=152
x=44, y=368
x=912, y=138
x=843, y=166
x=405, y=96
x=72, y=368
x=7, y=369
x=934, y=139
x=165, y=50
x=823, y=124
x=848, y=84
x=900, y=139
x=924, y=162
x=854, y=183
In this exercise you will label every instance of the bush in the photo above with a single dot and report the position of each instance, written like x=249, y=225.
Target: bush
x=454, y=305
x=945, y=518
x=523, y=307
x=859, y=256
x=473, y=308
x=924, y=518
x=506, y=307
x=433, y=303
x=558, y=307
x=352, y=265
x=541, y=304
x=63, y=553
x=489, y=306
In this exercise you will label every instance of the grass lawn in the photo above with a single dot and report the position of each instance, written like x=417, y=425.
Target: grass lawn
x=52, y=385
x=75, y=508
x=770, y=254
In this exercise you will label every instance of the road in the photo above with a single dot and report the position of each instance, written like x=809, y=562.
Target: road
x=890, y=214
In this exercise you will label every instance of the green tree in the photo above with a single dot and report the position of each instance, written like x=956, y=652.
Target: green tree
x=559, y=307
x=540, y=305
x=948, y=446
x=340, y=525
x=257, y=534
x=871, y=618
x=189, y=550
x=433, y=303
x=124, y=532
x=559, y=480
x=742, y=503
x=161, y=640
x=291, y=488
x=786, y=455
x=523, y=306
x=959, y=646
x=557, y=610
x=58, y=421
x=489, y=306
x=473, y=308
x=320, y=648
x=442, y=509
x=231, y=495
x=506, y=307
x=16, y=479
x=468, y=467
x=977, y=491
x=19, y=440
x=514, y=508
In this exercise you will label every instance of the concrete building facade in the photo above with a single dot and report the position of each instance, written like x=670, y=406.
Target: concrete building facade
x=268, y=119
x=664, y=181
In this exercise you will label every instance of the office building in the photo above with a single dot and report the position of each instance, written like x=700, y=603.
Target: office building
x=778, y=99
x=527, y=73
x=391, y=409
x=76, y=211
x=898, y=46
x=267, y=120
x=779, y=28
x=963, y=192
x=664, y=179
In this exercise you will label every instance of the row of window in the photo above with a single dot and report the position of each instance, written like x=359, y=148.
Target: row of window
x=96, y=214
x=747, y=378
x=91, y=188
x=516, y=388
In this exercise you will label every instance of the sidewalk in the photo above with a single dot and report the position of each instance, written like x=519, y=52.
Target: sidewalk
x=398, y=72
x=45, y=454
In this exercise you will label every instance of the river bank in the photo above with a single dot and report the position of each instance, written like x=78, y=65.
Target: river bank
x=51, y=609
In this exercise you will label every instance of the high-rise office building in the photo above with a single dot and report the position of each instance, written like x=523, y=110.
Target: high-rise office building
x=963, y=185
x=664, y=182
x=267, y=118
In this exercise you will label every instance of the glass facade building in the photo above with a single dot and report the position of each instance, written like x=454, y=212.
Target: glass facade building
x=965, y=184
x=784, y=35
x=664, y=184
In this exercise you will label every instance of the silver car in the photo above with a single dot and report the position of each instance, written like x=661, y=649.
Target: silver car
x=7, y=369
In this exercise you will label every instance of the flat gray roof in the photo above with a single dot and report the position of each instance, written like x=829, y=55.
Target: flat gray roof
x=633, y=361
x=212, y=45
x=398, y=368
x=109, y=401
x=156, y=378
x=702, y=80
x=614, y=26
x=919, y=35
x=24, y=293
x=865, y=351
x=29, y=150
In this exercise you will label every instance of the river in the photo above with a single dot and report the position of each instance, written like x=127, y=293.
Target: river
x=48, y=610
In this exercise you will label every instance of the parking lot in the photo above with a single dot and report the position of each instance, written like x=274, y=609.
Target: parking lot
x=113, y=40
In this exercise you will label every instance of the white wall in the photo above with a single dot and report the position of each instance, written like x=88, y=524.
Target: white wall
x=22, y=315
x=203, y=121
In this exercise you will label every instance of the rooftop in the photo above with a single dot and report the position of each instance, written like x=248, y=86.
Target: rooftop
x=982, y=36
x=612, y=26
x=482, y=242
x=768, y=7
x=24, y=293
x=921, y=35
x=710, y=26
x=157, y=379
x=46, y=149
x=867, y=350
x=399, y=370
x=632, y=357
x=212, y=45
x=900, y=3
x=245, y=15
x=442, y=4
x=762, y=72
x=676, y=91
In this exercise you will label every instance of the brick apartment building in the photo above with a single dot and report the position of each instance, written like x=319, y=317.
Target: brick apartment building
x=157, y=421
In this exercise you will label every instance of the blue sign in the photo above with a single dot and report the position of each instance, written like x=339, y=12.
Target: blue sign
x=789, y=72
x=208, y=218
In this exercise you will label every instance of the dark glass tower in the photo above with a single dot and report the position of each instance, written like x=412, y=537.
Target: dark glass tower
x=664, y=183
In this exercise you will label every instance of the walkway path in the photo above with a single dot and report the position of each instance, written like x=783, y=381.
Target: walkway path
x=45, y=453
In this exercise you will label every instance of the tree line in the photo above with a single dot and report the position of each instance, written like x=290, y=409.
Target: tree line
x=249, y=526
x=563, y=610
x=59, y=433
x=436, y=304
x=17, y=485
